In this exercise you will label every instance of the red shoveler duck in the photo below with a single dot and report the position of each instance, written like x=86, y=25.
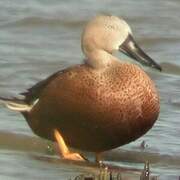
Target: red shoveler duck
x=100, y=104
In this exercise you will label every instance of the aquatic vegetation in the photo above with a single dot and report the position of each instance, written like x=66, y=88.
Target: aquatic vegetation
x=107, y=174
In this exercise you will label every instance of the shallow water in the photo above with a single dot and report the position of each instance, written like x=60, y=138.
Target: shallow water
x=39, y=37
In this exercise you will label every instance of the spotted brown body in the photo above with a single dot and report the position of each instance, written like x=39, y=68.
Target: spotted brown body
x=97, y=110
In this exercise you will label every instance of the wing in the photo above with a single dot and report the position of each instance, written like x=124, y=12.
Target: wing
x=34, y=92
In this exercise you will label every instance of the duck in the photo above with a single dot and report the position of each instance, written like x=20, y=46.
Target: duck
x=100, y=104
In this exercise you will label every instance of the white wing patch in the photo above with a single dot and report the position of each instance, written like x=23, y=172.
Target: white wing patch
x=19, y=106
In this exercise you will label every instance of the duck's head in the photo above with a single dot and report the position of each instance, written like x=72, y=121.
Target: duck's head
x=105, y=34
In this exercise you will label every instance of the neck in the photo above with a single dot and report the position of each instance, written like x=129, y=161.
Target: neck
x=99, y=59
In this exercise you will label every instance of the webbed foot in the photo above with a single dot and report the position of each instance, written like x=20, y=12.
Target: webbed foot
x=63, y=149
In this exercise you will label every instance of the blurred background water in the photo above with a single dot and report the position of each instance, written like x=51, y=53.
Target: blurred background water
x=39, y=37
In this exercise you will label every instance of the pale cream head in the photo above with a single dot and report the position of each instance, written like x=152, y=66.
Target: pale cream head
x=101, y=37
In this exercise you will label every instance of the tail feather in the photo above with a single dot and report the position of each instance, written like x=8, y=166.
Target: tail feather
x=17, y=104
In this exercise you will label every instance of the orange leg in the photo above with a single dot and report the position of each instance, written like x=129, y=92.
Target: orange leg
x=64, y=151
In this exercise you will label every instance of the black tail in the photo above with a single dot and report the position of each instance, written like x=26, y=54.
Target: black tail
x=15, y=104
